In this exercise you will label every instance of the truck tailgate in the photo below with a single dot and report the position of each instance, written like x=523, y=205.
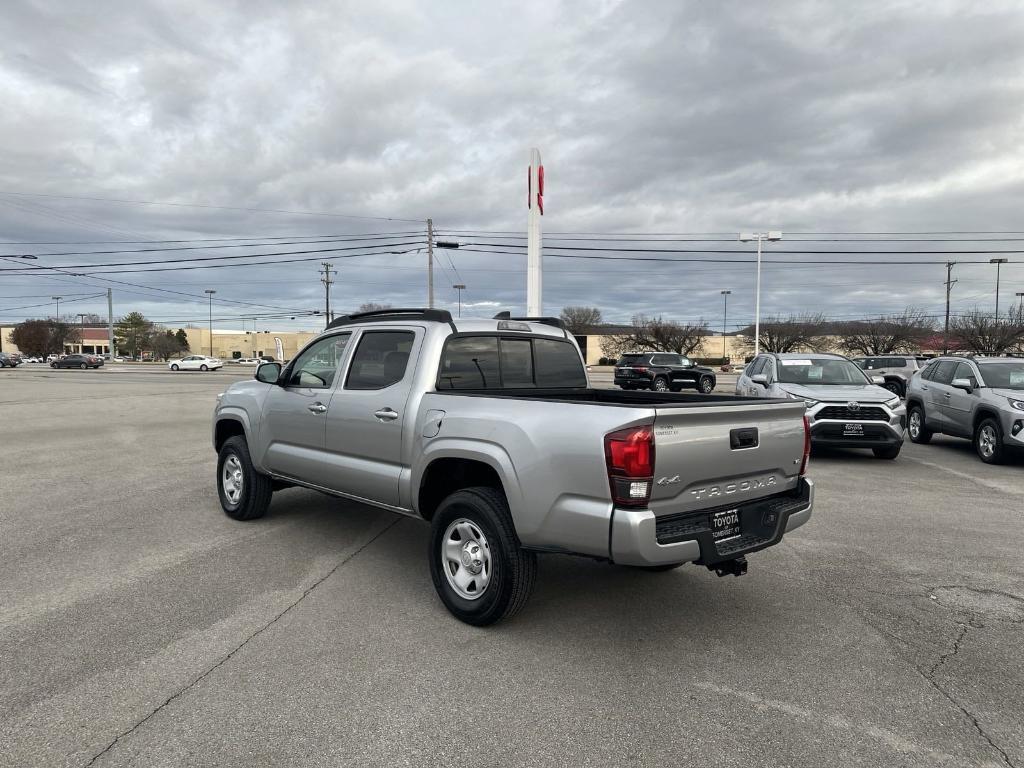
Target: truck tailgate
x=715, y=455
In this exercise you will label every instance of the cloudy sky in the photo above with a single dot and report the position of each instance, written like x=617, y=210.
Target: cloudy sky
x=678, y=124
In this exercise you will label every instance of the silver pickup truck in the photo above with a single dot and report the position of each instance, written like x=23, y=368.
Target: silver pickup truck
x=488, y=430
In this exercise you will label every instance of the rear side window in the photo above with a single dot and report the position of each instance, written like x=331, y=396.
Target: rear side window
x=633, y=360
x=896, y=362
x=381, y=359
x=489, y=362
x=665, y=360
x=943, y=372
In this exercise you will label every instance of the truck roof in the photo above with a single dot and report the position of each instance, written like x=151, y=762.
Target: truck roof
x=542, y=326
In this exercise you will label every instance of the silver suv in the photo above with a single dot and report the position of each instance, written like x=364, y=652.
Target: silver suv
x=980, y=399
x=897, y=370
x=845, y=408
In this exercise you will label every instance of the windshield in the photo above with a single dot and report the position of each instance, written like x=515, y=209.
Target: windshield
x=1003, y=375
x=820, y=371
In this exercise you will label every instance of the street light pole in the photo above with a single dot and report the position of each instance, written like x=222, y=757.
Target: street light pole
x=210, y=293
x=81, y=332
x=746, y=237
x=57, y=299
x=725, y=319
x=460, y=288
x=999, y=263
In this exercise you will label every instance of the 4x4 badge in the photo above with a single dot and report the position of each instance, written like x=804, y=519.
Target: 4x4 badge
x=669, y=480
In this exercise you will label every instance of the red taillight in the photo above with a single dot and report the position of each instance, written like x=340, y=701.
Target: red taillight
x=629, y=454
x=807, y=445
x=640, y=369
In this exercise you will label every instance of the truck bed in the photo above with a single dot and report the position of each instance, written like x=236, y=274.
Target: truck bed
x=615, y=397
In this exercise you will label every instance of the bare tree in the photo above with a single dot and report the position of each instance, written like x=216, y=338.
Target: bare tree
x=982, y=333
x=578, y=319
x=656, y=335
x=790, y=334
x=885, y=335
x=372, y=306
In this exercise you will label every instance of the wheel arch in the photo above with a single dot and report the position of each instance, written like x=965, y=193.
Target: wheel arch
x=985, y=413
x=449, y=468
x=229, y=425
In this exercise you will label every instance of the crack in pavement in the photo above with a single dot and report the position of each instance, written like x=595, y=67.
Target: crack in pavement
x=241, y=645
x=930, y=677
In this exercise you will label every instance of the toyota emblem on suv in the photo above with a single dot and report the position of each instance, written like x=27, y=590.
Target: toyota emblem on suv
x=853, y=405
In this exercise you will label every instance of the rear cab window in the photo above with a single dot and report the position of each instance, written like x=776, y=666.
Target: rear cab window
x=503, y=362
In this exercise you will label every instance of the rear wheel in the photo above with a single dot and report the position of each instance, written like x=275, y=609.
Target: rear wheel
x=919, y=433
x=889, y=452
x=988, y=442
x=895, y=387
x=706, y=384
x=83, y=366
x=479, y=569
x=244, y=492
x=203, y=367
x=660, y=384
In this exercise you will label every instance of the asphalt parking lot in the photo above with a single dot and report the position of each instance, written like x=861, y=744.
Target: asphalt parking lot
x=140, y=626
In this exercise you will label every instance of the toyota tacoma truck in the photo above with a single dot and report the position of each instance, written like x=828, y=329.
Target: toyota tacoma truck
x=489, y=431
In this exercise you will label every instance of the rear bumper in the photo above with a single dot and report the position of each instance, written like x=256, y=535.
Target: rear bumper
x=638, y=537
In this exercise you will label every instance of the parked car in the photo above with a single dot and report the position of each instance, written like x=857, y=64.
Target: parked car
x=77, y=361
x=248, y=361
x=662, y=372
x=845, y=407
x=9, y=361
x=897, y=370
x=980, y=399
x=195, y=363
x=488, y=430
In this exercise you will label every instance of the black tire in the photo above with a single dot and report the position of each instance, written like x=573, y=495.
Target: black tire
x=174, y=367
x=990, y=450
x=257, y=488
x=919, y=432
x=889, y=452
x=660, y=384
x=203, y=367
x=513, y=570
x=53, y=365
x=706, y=384
x=896, y=388
x=83, y=366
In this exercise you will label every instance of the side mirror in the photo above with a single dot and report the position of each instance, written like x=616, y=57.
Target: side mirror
x=268, y=373
x=964, y=384
x=760, y=378
x=878, y=379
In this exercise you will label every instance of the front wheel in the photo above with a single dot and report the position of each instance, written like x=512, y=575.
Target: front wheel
x=174, y=367
x=83, y=366
x=660, y=384
x=988, y=442
x=706, y=384
x=889, y=452
x=243, y=491
x=479, y=568
x=895, y=387
x=919, y=433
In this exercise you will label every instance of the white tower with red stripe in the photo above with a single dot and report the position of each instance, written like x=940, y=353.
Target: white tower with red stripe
x=534, y=254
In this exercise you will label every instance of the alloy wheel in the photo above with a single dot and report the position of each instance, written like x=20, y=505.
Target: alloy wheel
x=232, y=479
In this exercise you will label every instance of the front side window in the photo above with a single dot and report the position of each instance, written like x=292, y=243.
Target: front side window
x=317, y=365
x=380, y=360
x=943, y=373
x=963, y=371
x=685, y=362
x=757, y=366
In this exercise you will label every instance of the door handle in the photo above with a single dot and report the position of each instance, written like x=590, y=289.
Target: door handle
x=386, y=414
x=318, y=408
x=948, y=395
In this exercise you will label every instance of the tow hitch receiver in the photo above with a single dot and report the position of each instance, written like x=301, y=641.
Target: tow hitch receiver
x=735, y=567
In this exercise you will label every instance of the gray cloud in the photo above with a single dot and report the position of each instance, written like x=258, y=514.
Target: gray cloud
x=652, y=116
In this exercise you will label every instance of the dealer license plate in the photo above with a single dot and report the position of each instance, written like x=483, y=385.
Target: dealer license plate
x=725, y=524
x=853, y=430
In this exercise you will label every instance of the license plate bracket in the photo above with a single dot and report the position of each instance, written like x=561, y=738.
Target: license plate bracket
x=725, y=524
x=853, y=430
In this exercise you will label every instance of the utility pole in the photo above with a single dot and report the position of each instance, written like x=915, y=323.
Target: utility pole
x=999, y=263
x=210, y=293
x=110, y=324
x=949, y=288
x=430, y=263
x=328, y=282
x=534, y=247
x=725, y=319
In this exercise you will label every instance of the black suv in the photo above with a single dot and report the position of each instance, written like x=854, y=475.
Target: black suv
x=662, y=372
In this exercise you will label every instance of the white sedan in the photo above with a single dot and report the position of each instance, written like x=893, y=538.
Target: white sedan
x=196, y=363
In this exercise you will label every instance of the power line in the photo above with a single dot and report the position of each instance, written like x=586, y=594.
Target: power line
x=747, y=250
x=204, y=205
x=343, y=235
